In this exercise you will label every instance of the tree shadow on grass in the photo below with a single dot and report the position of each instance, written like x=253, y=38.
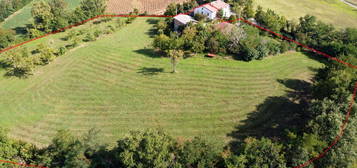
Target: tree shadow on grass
x=149, y=52
x=150, y=71
x=21, y=30
x=152, y=31
x=276, y=114
x=152, y=21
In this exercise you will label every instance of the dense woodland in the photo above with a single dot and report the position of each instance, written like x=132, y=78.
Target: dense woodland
x=319, y=119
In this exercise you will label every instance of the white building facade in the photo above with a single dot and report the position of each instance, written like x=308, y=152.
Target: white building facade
x=211, y=9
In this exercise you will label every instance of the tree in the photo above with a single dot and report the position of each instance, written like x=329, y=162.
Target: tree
x=327, y=119
x=270, y=19
x=197, y=153
x=88, y=9
x=145, y=150
x=248, y=10
x=20, y=63
x=175, y=55
x=235, y=37
x=58, y=10
x=65, y=150
x=16, y=151
x=6, y=38
x=42, y=16
x=46, y=54
x=263, y=153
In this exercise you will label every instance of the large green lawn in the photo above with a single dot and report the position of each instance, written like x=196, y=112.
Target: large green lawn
x=23, y=16
x=330, y=11
x=117, y=84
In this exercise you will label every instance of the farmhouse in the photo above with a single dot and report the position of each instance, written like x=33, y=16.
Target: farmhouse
x=181, y=20
x=211, y=9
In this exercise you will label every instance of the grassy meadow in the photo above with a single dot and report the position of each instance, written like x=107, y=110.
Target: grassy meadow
x=23, y=16
x=329, y=11
x=118, y=83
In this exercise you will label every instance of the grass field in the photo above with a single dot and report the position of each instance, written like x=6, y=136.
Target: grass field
x=329, y=11
x=23, y=16
x=117, y=84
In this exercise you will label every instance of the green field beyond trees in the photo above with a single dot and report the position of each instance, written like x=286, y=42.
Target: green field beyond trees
x=329, y=11
x=117, y=84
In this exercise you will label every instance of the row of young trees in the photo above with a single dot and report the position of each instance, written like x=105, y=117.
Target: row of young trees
x=21, y=62
x=8, y=7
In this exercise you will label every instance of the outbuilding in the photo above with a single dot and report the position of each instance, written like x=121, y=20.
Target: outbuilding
x=181, y=20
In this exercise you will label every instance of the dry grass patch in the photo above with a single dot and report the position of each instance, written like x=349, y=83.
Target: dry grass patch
x=150, y=6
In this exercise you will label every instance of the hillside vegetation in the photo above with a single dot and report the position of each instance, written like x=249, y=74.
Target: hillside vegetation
x=118, y=84
x=329, y=11
x=23, y=16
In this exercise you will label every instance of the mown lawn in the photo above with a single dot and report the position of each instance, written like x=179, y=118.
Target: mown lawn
x=117, y=84
x=23, y=16
x=329, y=11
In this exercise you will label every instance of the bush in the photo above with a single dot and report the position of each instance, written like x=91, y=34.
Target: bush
x=61, y=51
x=199, y=17
x=249, y=53
x=6, y=38
x=263, y=51
x=89, y=37
x=273, y=47
x=46, y=54
x=20, y=63
x=97, y=33
x=71, y=35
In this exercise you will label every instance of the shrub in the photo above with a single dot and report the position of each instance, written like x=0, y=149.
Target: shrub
x=97, y=33
x=263, y=51
x=284, y=46
x=71, y=35
x=249, y=53
x=273, y=47
x=46, y=54
x=89, y=37
x=199, y=17
x=111, y=28
x=6, y=38
x=20, y=63
x=61, y=51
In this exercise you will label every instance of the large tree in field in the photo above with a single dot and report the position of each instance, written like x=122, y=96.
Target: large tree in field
x=175, y=55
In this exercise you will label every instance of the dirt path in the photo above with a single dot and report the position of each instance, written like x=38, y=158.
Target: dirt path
x=350, y=4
